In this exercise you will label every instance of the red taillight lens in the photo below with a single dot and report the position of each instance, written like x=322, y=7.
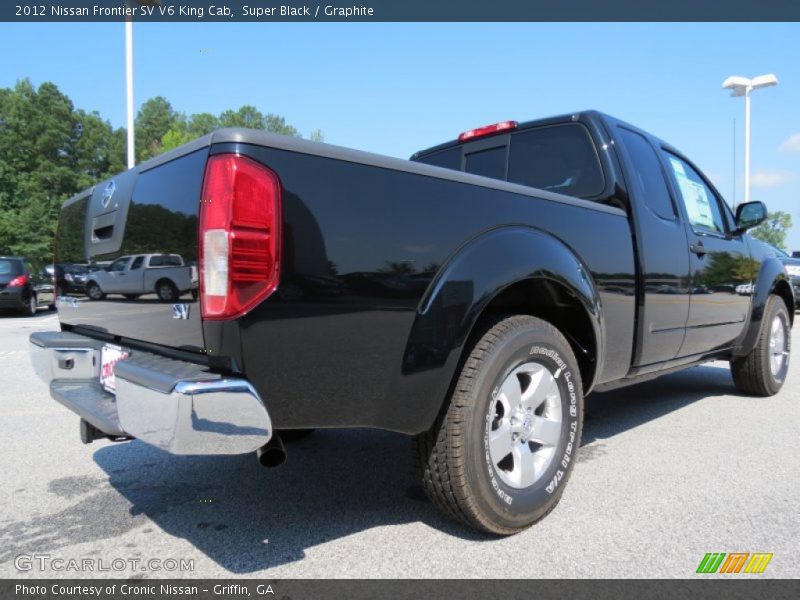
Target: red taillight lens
x=487, y=130
x=18, y=281
x=240, y=224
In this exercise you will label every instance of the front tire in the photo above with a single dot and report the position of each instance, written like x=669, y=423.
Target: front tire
x=94, y=292
x=500, y=453
x=763, y=371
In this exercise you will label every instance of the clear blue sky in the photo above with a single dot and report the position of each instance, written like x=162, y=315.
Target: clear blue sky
x=396, y=88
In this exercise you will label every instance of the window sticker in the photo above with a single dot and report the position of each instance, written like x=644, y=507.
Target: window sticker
x=695, y=197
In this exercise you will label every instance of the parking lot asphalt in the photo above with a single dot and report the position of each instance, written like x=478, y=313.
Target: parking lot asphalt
x=669, y=470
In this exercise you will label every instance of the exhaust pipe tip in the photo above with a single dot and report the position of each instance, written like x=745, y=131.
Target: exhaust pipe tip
x=272, y=454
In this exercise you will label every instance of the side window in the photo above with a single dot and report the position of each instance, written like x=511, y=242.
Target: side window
x=448, y=159
x=489, y=163
x=648, y=177
x=119, y=264
x=559, y=158
x=137, y=263
x=702, y=206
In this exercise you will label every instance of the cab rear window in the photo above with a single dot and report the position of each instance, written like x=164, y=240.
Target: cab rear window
x=559, y=158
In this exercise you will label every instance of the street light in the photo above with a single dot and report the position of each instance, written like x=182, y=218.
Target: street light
x=129, y=79
x=129, y=91
x=741, y=86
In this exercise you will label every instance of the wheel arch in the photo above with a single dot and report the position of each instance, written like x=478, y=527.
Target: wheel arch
x=513, y=269
x=783, y=288
x=162, y=279
x=772, y=280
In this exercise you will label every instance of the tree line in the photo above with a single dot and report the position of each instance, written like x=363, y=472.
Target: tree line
x=51, y=150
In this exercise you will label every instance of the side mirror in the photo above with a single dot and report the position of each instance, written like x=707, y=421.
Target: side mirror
x=750, y=214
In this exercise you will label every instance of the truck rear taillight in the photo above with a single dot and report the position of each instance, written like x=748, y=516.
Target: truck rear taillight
x=240, y=226
x=487, y=130
x=18, y=281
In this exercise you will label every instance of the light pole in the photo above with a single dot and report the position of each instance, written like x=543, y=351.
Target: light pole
x=129, y=78
x=741, y=86
x=129, y=91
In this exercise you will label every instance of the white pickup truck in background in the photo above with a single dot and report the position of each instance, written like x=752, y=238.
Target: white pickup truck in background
x=166, y=275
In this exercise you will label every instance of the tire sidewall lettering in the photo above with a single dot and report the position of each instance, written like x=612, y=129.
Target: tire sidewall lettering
x=522, y=500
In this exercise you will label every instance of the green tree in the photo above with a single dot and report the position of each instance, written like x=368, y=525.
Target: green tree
x=276, y=124
x=774, y=229
x=202, y=124
x=246, y=116
x=186, y=130
x=153, y=121
x=48, y=152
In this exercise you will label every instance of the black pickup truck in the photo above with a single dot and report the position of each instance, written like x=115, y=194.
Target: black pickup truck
x=471, y=298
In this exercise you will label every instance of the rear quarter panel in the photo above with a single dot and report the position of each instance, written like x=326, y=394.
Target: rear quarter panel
x=361, y=245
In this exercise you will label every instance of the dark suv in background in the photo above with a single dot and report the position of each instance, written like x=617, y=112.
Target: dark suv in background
x=24, y=286
x=71, y=279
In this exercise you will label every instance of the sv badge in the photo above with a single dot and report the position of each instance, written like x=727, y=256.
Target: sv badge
x=180, y=311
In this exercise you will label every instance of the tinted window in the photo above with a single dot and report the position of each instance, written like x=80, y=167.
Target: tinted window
x=561, y=158
x=702, y=207
x=10, y=267
x=119, y=264
x=165, y=260
x=489, y=163
x=648, y=178
x=449, y=159
x=137, y=262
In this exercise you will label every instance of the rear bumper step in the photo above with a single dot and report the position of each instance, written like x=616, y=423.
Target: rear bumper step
x=174, y=405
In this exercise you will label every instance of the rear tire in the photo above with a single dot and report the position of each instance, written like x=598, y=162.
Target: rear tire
x=763, y=371
x=166, y=291
x=500, y=453
x=94, y=292
x=31, y=306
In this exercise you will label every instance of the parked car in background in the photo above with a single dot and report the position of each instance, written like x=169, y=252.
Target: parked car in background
x=24, y=286
x=792, y=266
x=138, y=274
x=70, y=279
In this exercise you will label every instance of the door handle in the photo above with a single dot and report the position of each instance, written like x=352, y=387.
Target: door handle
x=698, y=248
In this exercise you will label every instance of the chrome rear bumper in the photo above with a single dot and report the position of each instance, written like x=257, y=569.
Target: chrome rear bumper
x=176, y=406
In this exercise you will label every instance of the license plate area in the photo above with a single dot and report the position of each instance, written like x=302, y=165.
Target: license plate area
x=110, y=355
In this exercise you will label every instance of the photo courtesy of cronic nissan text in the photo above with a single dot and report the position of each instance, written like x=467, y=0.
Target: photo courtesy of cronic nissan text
x=392, y=300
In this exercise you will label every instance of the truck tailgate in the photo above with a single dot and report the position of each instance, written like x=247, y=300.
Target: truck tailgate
x=152, y=208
